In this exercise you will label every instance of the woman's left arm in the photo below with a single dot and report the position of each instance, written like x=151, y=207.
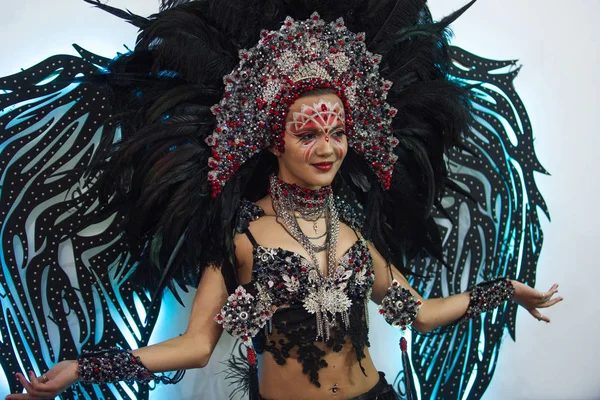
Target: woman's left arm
x=443, y=311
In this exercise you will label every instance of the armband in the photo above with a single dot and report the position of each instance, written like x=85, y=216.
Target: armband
x=488, y=295
x=243, y=316
x=114, y=365
x=399, y=307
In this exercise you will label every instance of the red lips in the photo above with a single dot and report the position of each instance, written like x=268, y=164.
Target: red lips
x=324, y=166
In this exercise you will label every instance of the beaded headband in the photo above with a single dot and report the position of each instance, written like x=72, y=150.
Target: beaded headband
x=300, y=57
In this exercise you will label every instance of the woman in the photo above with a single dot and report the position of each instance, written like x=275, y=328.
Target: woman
x=302, y=122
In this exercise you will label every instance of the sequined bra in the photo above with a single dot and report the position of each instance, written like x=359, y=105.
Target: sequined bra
x=315, y=314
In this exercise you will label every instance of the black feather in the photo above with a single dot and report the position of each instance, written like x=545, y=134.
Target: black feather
x=126, y=15
x=156, y=175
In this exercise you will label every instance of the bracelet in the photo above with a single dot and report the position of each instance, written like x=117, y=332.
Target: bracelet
x=399, y=307
x=488, y=295
x=114, y=365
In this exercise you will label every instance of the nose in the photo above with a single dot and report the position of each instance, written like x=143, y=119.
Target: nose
x=324, y=146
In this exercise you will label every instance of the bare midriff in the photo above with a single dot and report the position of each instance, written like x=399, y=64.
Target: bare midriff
x=341, y=379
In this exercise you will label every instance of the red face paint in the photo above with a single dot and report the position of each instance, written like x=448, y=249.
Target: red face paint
x=312, y=122
x=315, y=141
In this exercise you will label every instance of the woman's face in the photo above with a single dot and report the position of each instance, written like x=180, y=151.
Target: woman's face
x=315, y=141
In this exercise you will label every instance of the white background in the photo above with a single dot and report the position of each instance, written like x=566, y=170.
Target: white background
x=556, y=43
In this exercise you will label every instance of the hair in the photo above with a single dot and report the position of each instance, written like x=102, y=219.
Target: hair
x=317, y=92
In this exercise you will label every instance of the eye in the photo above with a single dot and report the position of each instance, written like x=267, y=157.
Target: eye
x=339, y=133
x=308, y=137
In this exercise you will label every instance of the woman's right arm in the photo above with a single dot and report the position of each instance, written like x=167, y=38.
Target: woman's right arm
x=190, y=350
x=194, y=348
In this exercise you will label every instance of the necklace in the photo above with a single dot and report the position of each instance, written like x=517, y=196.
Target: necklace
x=289, y=199
x=314, y=219
x=326, y=296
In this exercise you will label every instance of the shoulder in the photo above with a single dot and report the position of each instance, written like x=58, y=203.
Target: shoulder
x=247, y=212
x=351, y=214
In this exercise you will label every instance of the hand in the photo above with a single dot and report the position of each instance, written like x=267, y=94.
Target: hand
x=533, y=299
x=59, y=377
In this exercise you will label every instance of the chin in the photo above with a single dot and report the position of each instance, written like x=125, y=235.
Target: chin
x=319, y=179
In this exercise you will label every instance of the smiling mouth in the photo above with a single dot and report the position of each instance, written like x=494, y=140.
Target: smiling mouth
x=324, y=166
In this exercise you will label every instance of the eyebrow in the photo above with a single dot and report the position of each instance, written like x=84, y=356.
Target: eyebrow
x=315, y=129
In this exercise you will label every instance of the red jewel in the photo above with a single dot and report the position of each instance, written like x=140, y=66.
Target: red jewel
x=403, y=344
x=251, y=355
x=381, y=311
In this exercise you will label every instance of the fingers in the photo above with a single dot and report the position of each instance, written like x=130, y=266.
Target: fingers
x=546, y=296
x=24, y=382
x=34, y=387
x=537, y=315
x=550, y=302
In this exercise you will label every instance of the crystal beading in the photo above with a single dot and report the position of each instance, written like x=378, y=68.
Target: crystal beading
x=399, y=306
x=488, y=295
x=300, y=57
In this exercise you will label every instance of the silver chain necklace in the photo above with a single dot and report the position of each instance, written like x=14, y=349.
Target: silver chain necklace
x=287, y=200
x=327, y=296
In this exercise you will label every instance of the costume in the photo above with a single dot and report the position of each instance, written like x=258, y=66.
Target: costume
x=178, y=156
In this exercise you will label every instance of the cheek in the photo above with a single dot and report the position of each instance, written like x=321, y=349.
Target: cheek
x=308, y=149
x=297, y=150
x=340, y=147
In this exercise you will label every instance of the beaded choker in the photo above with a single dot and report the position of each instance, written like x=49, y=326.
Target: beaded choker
x=307, y=202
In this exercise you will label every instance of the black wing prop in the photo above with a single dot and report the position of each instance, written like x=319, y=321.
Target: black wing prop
x=490, y=228
x=56, y=294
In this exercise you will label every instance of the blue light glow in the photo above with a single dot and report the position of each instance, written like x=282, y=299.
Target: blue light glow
x=52, y=76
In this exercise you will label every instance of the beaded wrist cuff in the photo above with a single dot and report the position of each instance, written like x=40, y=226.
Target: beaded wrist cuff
x=488, y=295
x=399, y=307
x=114, y=365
